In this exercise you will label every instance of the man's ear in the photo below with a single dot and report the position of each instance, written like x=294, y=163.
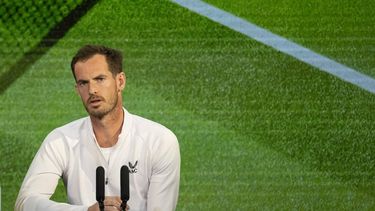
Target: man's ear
x=121, y=81
x=76, y=88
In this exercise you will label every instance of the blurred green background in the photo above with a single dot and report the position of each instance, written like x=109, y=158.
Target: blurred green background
x=257, y=128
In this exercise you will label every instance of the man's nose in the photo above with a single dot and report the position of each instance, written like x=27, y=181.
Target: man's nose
x=93, y=89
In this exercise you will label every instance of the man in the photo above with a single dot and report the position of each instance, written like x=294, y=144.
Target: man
x=110, y=137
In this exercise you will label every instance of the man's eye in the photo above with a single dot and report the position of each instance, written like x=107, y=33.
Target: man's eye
x=82, y=83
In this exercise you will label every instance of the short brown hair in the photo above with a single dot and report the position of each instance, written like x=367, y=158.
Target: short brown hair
x=112, y=56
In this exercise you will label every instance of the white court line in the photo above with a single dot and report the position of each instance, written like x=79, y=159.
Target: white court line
x=280, y=43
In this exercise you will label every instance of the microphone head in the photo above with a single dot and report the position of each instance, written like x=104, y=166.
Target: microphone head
x=124, y=183
x=100, y=193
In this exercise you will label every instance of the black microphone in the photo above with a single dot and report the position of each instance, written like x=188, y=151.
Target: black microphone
x=100, y=193
x=124, y=183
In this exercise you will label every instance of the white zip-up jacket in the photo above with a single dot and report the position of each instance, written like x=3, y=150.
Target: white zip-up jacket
x=150, y=150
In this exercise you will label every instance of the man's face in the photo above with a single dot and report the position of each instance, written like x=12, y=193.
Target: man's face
x=99, y=90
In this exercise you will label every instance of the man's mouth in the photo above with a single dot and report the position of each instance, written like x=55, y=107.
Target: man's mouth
x=94, y=101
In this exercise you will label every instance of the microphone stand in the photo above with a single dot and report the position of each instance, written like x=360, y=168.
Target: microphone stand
x=101, y=205
x=100, y=187
x=123, y=206
x=124, y=183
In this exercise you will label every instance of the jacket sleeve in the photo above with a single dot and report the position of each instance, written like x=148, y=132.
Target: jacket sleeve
x=165, y=178
x=42, y=177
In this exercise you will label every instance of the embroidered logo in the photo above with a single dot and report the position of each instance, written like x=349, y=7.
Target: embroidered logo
x=133, y=167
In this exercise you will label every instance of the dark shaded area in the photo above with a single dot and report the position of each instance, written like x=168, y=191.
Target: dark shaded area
x=48, y=41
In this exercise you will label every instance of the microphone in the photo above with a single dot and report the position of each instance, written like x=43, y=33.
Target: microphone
x=100, y=193
x=124, y=183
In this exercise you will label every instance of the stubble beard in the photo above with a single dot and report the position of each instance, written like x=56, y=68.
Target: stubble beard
x=100, y=113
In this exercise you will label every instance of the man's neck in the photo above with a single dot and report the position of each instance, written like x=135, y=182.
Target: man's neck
x=108, y=128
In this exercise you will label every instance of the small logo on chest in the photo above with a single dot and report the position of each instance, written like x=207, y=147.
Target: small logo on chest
x=133, y=167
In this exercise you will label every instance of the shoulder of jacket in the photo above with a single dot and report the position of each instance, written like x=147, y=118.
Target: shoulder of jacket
x=70, y=130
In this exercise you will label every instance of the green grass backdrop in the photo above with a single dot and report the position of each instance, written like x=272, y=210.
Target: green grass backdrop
x=257, y=129
x=24, y=23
